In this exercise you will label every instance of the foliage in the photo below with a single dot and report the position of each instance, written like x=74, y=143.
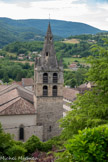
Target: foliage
x=24, y=47
x=32, y=144
x=62, y=49
x=75, y=78
x=90, y=109
x=92, y=38
x=9, y=147
x=89, y=145
x=16, y=151
x=48, y=145
x=14, y=71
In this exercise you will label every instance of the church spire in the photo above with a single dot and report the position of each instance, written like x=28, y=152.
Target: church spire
x=48, y=55
x=49, y=30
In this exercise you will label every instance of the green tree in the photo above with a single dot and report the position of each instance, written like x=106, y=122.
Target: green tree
x=5, y=77
x=90, y=145
x=90, y=109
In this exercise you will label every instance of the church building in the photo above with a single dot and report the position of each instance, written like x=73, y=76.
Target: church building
x=24, y=112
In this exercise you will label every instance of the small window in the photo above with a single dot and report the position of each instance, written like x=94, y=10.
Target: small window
x=45, y=91
x=55, y=78
x=50, y=38
x=46, y=53
x=45, y=78
x=21, y=133
x=54, y=91
x=50, y=128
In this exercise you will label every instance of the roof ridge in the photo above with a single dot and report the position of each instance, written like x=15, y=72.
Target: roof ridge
x=11, y=104
x=10, y=101
x=24, y=89
x=7, y=89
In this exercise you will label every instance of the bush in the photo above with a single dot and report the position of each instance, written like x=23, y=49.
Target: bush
x=32, y=144
x=16, y=151
x=9, y=147
x=88, y=146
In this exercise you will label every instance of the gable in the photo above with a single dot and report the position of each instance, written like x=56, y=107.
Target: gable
x=17, y=107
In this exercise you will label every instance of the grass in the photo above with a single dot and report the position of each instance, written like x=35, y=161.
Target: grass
x=72, y=41
x=69, y=60
x=11, y=54
x=23, y=62
x=67, y=70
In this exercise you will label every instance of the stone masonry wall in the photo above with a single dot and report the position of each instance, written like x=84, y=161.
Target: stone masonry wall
x=12, y=121
x=49, y=111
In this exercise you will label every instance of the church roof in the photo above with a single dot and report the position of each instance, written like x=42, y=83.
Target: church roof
x=48, y=60
x=49, y=32
x=16, y=100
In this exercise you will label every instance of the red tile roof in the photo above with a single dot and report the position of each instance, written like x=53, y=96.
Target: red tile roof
x=16, y=100
x=27, y=82
x=70, y=94
x=3, y=87
x=18, y=106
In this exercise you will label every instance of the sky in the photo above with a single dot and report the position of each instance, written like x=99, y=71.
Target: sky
x=92, y=12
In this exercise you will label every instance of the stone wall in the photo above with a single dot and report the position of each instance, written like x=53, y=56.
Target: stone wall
x=13, y=121
x=49, y=111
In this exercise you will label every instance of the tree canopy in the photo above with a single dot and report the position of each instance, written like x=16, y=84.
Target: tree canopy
x=90, y=109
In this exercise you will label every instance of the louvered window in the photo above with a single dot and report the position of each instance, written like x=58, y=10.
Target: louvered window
x=45, y=78
x=54, y=91
x=45, y=91
x=55, y=78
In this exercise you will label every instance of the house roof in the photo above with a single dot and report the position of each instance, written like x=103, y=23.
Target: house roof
x=73, y=65
x=16, y=100
x=27, y=82
x=83, y=87
x=70, y=93
x=3, y=87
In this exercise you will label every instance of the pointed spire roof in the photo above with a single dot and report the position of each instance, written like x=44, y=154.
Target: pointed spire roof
x=48, y=55
x=49, y=29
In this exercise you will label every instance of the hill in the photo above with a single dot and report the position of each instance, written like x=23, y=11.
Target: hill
x=35, y=29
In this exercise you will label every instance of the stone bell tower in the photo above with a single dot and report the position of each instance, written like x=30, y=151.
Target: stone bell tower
x=48, y=88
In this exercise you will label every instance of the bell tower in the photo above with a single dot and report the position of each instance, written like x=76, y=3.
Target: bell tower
x=48, y=88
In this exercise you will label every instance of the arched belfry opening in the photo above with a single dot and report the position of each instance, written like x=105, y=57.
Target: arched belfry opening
x=21, y=133
x=45, y=90
x=45, y=78
x=54, y=91
x=55, y=77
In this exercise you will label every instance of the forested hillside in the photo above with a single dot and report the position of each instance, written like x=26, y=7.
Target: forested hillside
x=62, y=49
x=35, y=29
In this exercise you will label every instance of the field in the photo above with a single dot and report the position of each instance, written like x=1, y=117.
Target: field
x=72, y=41
x=69, y=60
x=30, y=62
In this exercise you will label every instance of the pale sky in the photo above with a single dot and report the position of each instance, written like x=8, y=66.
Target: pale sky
x=92, y=12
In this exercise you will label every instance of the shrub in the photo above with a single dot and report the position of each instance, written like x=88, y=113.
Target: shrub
x=16, y=151
x=32, y=144
x=88, y=146
x=9, y=147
